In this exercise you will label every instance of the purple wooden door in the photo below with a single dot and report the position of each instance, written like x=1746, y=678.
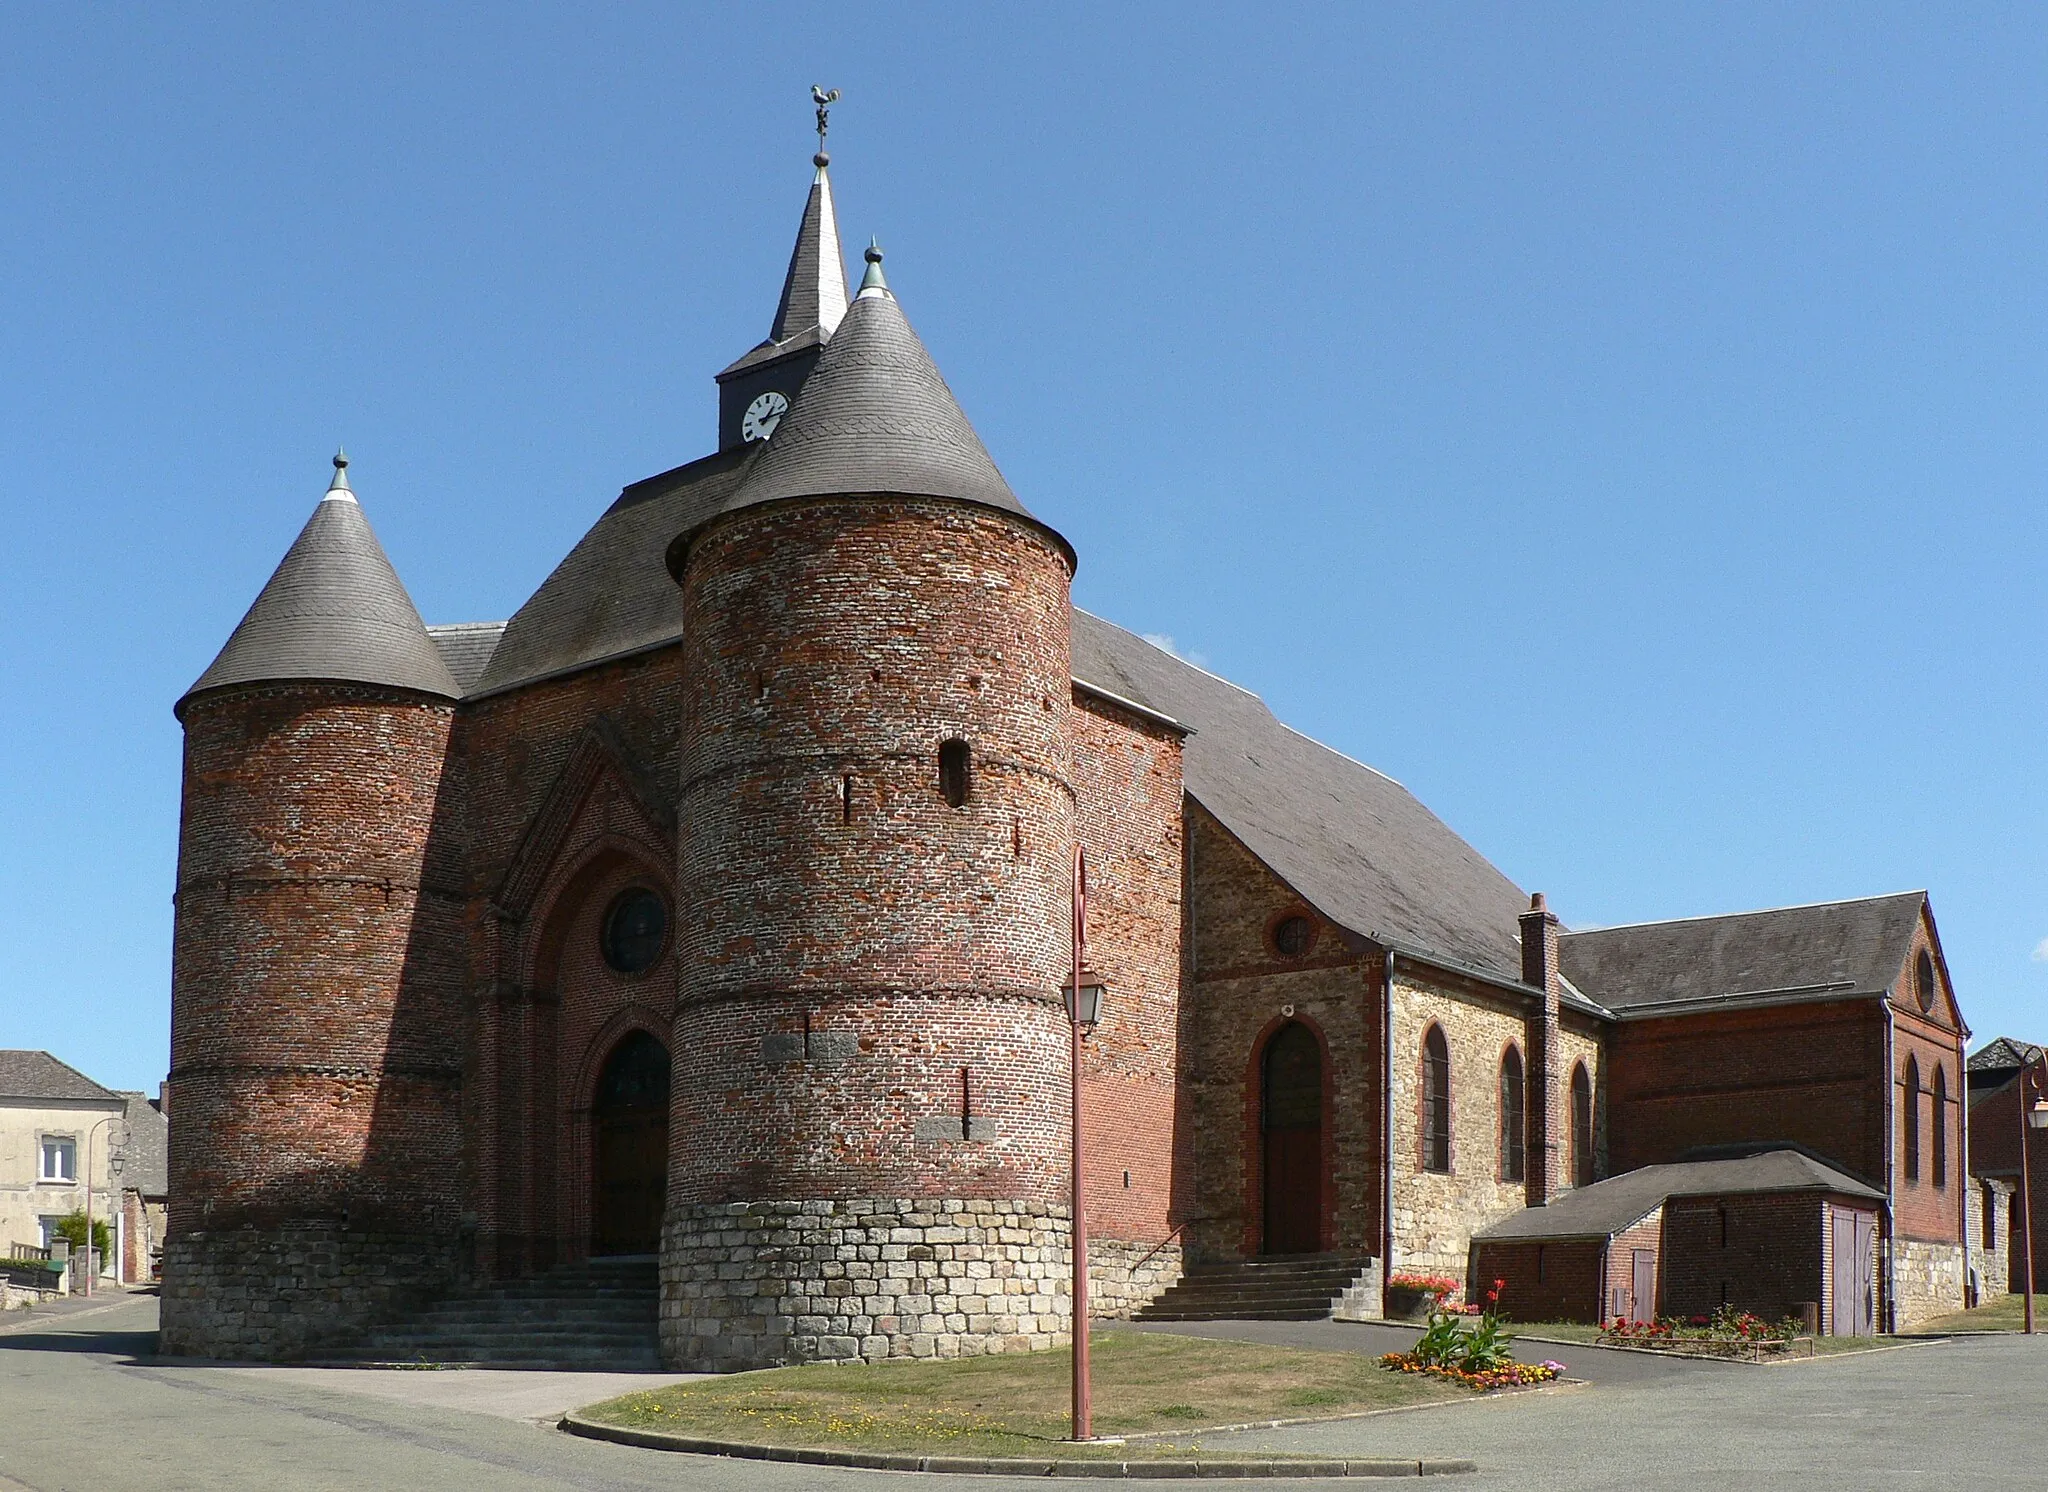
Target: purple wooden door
x=1852, y=1297
x=1866, y=1274
x=1642, y=1300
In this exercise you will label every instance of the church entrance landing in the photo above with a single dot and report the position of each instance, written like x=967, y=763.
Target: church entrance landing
x=629, y=1133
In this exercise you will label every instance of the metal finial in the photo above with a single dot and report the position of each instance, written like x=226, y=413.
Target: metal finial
x=872, y=282
x=340, y=459
x=340, y=482
x=824, y=99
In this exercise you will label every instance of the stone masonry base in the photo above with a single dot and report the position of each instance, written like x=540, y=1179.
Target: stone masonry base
x=269, y=1294
x=1927, y=1280
x=756, y=1284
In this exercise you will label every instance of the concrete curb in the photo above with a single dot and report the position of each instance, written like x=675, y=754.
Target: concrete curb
x=1208, y=1470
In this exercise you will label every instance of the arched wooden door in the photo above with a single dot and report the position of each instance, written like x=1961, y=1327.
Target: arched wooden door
x=1291, y=1125
x=629, y=1164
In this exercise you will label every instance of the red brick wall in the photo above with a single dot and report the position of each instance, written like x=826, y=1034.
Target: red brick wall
x=1769, y=1263
x=1239, y=992
x=316, y=1032
x=565, y=786
x=1811, y=1074
x=1554, y=1280
x=846, y=639
x=1621, y=1266
x=1127, y=774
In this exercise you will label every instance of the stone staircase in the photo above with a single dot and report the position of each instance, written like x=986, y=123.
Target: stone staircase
x=1295, y=1287
x=595, y=1316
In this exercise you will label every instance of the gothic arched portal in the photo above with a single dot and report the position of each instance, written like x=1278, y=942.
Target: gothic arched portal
x=629, y=1136
x=1291, y=1125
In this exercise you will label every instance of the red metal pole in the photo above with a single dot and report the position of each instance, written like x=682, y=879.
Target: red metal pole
x=2026, y=1197
x=1083, y=1418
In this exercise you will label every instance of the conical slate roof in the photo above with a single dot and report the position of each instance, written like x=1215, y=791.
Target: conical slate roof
x=875, y=416
x=334, y=609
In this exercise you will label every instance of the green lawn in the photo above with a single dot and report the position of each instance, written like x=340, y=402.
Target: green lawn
x=1015, y=1404
x=2002, y=1313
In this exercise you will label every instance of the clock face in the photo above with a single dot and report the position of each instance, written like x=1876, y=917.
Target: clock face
x=763, y=415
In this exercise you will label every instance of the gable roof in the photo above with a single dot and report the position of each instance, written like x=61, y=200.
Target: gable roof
x=1607, y=1207
x=30, y=1074
x=1850, y=947
x=466, y=648
x=2002, y=1054
x=145, y=1154
x=612, y=594
x=1356, y=844
x=333, y=609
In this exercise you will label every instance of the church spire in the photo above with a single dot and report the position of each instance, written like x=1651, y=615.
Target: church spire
x=813, y=301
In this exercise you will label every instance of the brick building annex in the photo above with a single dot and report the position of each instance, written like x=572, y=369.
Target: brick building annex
x=714, y=908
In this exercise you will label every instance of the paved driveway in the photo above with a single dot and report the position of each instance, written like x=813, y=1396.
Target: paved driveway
x=77, y=1410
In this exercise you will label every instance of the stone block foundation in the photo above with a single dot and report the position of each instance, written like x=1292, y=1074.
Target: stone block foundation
x=759, y=1284
x=1927, y=1280
x=271, y=1294
x=1124, y=1277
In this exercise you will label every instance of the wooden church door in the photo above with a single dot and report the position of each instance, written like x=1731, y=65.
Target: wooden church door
x=629, y=1130
x=1291, y=1114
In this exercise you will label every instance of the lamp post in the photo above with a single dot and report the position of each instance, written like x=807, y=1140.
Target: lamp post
x=2032, y=1116
x=1084, y=1009
x=91, y=1264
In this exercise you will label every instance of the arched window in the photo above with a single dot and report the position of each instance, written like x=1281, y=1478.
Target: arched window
x=1909, y=1118
x=1940, y=1126
x=953, y=772
x=1436, y=1101
x=1582, y=1126
x=1923, y=980
x=1513, y=1116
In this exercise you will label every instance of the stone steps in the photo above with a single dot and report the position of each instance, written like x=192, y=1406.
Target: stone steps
x=1306, y=1287
x=593, y=1316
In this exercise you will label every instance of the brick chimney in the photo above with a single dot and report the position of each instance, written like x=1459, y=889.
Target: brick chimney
x=1545, y=1098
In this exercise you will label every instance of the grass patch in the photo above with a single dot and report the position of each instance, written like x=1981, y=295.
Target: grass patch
x=1015, y=1404
x=1559, y=1331
x=2002, y=1313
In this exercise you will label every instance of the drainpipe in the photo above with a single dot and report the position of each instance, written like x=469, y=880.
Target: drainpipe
x=1386, y=1123
x=1891, y=1301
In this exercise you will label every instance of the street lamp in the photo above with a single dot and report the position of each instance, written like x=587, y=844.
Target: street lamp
x=1084, y=1009
x=2032, y=1116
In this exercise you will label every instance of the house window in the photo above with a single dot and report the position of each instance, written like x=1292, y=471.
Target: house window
x=1910, y=1119
x=953, y=772
x=1582, y=1125
x=1940, y=1149
x=60, y=1159
x=1513, y=1116
x=1436, y=1101
x=1923, y=980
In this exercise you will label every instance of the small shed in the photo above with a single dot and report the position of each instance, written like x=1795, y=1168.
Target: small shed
x=1769, y=1233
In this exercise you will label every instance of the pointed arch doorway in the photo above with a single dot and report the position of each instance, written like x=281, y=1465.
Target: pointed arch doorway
x=1291, y=1141
x=629, y=1135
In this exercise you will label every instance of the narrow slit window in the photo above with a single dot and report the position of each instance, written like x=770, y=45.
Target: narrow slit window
x=1940, y=1149
x=1910, y=1118
x=953, y=772
x=846, y=799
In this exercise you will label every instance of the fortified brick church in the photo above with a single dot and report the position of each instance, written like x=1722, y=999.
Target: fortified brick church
x=714, y=909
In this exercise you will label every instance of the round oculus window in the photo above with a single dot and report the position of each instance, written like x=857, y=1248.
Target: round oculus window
x=1923, y=980
x=1292, y=935
x=635, y=927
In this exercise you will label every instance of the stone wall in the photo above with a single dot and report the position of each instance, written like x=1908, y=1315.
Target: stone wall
x=1124, y=1276
x=1436, y=1213
x=274, y=1294
x=757, y=1284
x=1990, y=1232
x=1927, y=1280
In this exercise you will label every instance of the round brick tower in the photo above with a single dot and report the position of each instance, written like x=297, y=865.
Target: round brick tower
x=315, y=1024
x=869, y=1152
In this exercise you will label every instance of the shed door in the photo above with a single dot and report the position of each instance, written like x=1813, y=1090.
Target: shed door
x=1642, y=1301
x=1852, y=1298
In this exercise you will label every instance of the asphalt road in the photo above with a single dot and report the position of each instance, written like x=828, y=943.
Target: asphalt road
x=80, y=1408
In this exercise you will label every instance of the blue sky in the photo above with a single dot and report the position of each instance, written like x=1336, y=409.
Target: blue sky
x=1623, y=424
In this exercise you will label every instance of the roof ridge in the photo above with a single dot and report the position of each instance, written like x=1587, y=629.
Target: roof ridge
x=1801, y=906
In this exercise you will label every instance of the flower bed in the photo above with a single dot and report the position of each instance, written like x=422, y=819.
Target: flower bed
x=1474, y=1355
x=1726, y=1333
x=1507, y=1375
